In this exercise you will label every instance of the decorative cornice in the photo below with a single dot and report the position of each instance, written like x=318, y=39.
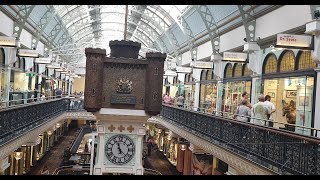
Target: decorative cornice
x=237, y=162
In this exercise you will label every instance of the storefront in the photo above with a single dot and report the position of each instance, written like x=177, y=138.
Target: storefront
x=290, y=81
x=3, y=73
x=237, y=79
x=189, y=90
x=208, y=91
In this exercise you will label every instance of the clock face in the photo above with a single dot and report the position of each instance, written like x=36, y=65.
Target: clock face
x=119, y=149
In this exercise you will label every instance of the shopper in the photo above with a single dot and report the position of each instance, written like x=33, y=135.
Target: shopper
x=260, y=111
x=245, y=96
x=167, y=99
x=243, y=112
x=59, y=93
x=149, y=145
x=180, y=100
x=271, y=108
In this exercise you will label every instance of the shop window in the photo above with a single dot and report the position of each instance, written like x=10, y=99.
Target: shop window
x=228, y=71
x=210, y=74
x=246, y=71
x=203, y=75
x=305, y=61
x=237, y=70
x=270, y=64
x=287, y=62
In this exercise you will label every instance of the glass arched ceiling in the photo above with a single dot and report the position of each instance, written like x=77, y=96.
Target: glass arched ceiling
x=98, y=24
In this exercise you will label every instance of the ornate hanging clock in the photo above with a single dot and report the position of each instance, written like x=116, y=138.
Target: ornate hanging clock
x=119, y=149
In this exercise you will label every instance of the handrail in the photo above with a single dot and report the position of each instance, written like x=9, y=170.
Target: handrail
x=313, y=131
x=288, y=151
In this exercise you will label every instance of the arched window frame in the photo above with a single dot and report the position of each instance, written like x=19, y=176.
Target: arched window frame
x=228, y=68
x=266, y=59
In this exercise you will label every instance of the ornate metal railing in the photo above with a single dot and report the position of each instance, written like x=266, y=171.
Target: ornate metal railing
x=282, y=151
x=17, y=120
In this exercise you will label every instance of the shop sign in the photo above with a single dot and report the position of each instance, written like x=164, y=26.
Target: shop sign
x=170, y=73
x=293, y=40
x=43, y=60
x=28, y=53
x=203, y=64
x=181, y=69
x=8, y=41
x=53, y=66
x=235, y=56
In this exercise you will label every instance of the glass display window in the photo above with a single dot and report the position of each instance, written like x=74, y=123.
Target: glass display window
x=233, y=94
x=293, y=98
x=208, y=97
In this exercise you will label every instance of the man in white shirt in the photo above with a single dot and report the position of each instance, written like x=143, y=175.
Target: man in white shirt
x=260, y=111
x=271, y=108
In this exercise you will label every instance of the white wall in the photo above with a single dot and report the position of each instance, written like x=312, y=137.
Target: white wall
x=186, y=57
x=204, y=50
x=40, y=48
x=232, y=39
x=6, y=24
x=25, y=38
x=282, y=19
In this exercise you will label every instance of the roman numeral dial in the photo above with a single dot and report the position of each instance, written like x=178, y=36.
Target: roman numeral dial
x=119, y=149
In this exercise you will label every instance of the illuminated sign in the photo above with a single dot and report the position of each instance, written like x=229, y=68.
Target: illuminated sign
x=53, y=66
x=170, y=73
x=181, y=69
x=8, y=41
x=28, y=53
x=43, y=60
x=293, y=40
x=235, y=56
x=203, y=64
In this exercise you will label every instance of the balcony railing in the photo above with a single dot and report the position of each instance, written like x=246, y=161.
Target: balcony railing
x=19, y=119
x=282, y=151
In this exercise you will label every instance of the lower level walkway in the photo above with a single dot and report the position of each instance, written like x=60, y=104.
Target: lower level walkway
x=157, y=161
x=54, y=158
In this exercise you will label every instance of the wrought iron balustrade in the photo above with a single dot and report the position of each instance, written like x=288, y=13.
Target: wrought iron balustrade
x=289, y=152
x=17, y=120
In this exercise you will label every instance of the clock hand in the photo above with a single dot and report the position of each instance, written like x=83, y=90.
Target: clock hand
x=119, y=149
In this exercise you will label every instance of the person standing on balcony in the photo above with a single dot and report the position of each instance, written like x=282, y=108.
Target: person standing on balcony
x=245, y=96
x=271, y=108
x=243, y=112
x=59, y=93
x=260, y=111
x=167, y=99
x=180, y=100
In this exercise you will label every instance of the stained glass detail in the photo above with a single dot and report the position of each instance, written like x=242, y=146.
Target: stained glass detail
x=237, y=70
x=305, y=61
x=271, y=64
x=228, y=71
x=287, y=62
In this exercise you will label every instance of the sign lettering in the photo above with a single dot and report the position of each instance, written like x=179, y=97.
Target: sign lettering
x=293, y=40
x=123, y=99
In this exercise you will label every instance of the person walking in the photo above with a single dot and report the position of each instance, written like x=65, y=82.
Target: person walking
x=149, y=145
x=271, y=108
x=260, y=111
x=243, y=112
